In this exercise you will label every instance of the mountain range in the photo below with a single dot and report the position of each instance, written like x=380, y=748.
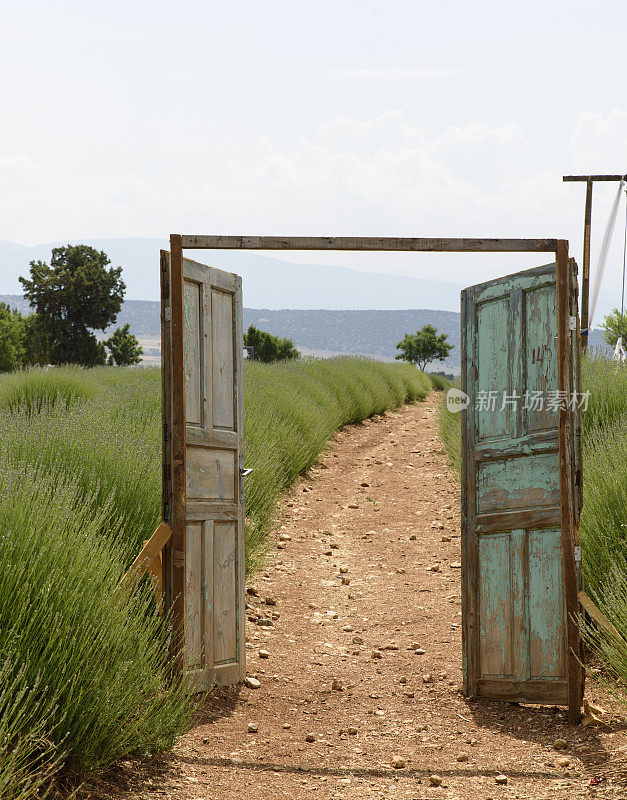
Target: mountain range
x=268, y=282
x=319, y=332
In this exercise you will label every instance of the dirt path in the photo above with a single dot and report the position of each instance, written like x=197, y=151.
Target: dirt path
x=356, y=605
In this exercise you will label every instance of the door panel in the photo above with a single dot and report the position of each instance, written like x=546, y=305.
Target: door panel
x=211, y=516
x=513, y=585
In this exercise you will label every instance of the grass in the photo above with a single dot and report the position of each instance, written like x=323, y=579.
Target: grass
x=603, y=525
x=83, y=670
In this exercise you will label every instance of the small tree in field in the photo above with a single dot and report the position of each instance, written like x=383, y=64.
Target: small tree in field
x=11, y=338
x=615, y=326
x=269, y=348
x=74, y=295
x=424, y=346
x=123, y=347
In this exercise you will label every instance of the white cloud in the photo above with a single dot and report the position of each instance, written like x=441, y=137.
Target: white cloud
x=599, y=143
x=382, y=175
x=400, y=75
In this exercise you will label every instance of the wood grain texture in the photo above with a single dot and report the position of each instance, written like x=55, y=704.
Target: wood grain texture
x=223, y=378
x=177, y=577
x=586, y=178
x=575, y=673
x=595, y=613
x=151, y=549
x=514, y=610
x=194, y=637
x=205, y=391
x=440, y=245
x=166, y=421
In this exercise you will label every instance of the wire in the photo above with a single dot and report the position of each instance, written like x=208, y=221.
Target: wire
x=622, y=302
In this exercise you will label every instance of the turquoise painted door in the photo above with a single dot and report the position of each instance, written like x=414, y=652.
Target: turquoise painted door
x=513, y=588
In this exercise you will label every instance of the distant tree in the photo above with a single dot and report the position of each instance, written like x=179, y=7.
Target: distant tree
x=424, y=346
x=11, y=338
x=615, y=327
x=73, y=296
x=269, y=348
x=36, y=342
x=123, y=347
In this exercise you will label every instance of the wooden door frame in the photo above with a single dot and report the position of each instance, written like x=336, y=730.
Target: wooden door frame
x=174, y=459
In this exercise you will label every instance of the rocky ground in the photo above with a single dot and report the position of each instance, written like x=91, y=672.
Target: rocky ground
x=357, y=679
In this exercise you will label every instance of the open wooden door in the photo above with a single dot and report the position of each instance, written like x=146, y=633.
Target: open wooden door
x=521, y=479
x=202, y=485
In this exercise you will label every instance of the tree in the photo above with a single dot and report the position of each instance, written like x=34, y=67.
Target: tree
x=269, y=348
x=73, y=296
x=615, y=327
x=36, y=342
x=124, y=347
x=424, y=346
x=11, y=338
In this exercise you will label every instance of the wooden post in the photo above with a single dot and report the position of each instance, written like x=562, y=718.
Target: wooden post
x=585, y=280
x=566, y=499
x=177, y=593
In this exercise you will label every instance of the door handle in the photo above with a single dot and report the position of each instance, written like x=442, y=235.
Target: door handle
x=244, y=473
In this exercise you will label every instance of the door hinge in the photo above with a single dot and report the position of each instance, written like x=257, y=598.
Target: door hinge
x=572, y=323
x=167, y=313
x=577, y=555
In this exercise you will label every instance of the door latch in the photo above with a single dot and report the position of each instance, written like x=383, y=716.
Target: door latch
x=244, y=473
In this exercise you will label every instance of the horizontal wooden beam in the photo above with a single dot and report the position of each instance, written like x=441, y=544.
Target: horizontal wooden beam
x=586, y=178
x=369, y=243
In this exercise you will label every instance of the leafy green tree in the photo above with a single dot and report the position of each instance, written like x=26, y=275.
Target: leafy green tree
x=36, y=342
x=124, y=348
x=269, y=348
x=73, y=296
x=424, y=346
x=615, y=327
x=11, y=338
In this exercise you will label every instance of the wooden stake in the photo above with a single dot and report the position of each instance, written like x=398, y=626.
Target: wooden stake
x=177, y=593
x=598, y=616
x=574, y=671
x=585, y=280
x=151, y=550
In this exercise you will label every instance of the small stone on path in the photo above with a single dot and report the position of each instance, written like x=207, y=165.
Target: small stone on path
x=264, y=654
x=560, y=744
x=435, y=780
x=398, y=762
x=311, y=737
x=252, y=683
x=462, y=757
x=501, y=780
x=253, y=727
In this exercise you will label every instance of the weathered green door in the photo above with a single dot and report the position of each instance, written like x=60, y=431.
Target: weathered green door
x=515, y=643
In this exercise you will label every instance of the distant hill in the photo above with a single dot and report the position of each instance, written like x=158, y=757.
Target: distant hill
x=315, y=332
x=268, y=282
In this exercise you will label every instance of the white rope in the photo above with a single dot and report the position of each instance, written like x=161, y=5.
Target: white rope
x=605, y=246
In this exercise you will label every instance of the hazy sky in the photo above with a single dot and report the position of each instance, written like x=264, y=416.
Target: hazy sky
x=345, y=117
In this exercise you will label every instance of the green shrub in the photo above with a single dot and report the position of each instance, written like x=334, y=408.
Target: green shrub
x=83, y=680
x=84, y=676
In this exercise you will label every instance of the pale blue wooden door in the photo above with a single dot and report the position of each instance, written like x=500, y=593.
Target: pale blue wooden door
x=514, y=608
